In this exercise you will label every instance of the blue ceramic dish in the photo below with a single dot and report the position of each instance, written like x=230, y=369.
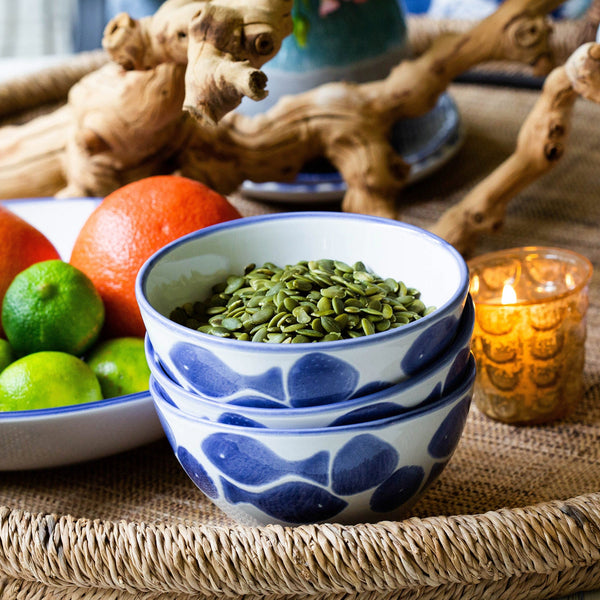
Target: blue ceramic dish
x=368, y=471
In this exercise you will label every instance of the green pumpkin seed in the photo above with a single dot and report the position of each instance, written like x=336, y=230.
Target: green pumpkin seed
x=233, y=284
x=330, y=325
x=367, y=326
x=311, y=301
x=276, y=338
x=417, y=306
x=260, y=335
x=332, y=337
x=333, y=291
x=338, y=305
x=310, y=333
x=289, y=304
x=231, y=323
x=300, y=339
x=301, y=315
x=263, y=315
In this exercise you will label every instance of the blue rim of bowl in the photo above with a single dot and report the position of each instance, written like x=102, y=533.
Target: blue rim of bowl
x=459, y=295
x=59, y=411
x=461, y=390
x=461, y=339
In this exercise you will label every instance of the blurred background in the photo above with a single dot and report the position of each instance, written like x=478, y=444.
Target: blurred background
x=30, y=28
x=33, y=28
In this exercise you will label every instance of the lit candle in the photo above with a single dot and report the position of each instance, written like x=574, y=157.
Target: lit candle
x=529, y=336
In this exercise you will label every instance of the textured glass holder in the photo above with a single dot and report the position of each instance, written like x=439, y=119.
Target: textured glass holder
x=530, y=329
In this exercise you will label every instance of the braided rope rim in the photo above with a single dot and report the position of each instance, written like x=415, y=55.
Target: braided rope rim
x=415, y=554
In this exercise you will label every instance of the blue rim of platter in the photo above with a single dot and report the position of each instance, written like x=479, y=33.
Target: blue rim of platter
x=426, y=143
x=59, y=411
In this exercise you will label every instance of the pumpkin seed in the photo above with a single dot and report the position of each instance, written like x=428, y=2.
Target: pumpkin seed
x=231, y=323
x=311, y=301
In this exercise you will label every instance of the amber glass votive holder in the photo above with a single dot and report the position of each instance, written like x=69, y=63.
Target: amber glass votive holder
x=529, y=335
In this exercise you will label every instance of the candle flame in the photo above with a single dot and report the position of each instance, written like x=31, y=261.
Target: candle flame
x=570, y=280
x=509, y=296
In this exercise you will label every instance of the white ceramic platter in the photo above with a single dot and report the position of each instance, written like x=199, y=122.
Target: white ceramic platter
x=61, y=436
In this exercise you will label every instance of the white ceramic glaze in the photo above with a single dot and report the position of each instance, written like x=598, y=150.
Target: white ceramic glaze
x=310, y=373
x=37, y=439
x=364, y=472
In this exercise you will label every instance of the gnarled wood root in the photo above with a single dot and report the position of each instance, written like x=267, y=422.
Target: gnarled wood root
x=540, y=145
x=114, y=136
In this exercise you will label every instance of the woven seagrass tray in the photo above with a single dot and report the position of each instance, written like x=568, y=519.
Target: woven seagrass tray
x=515, y=515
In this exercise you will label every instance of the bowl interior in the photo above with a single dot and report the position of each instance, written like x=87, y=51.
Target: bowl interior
x=187, y=269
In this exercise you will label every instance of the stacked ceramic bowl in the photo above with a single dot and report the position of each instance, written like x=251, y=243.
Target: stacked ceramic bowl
x=347, y=430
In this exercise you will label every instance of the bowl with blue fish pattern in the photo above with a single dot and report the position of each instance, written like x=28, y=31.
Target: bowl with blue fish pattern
x=429, y=385
x=365, y=472
x=300, y=374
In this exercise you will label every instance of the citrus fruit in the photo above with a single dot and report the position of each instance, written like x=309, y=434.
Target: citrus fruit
x=120, y=366
x=46, y=380
x=7, y=354
x=130, y=225
x=22, y=245
x=52, y=305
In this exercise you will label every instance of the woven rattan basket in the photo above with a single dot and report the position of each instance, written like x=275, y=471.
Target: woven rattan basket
x=516, y=514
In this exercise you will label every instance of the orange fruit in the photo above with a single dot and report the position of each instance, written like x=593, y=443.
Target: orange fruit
x=130, y=225
x=22, y=246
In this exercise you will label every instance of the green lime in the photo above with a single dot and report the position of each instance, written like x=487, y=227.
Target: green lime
x=47, y=380
x=52, y=306
x=7, y=354
x=120, y=366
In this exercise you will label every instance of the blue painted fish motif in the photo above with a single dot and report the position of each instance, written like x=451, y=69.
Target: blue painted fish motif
x=371, y=388
x=296, y=503
x=397, y=489
x=210, y=376
x=369, y=413
x=446, y=437
x=250, y=462
x=364, y=462
x=430, y=344
x=196, y=472
x=335, y=380
x=457, y=370
x=238, y=420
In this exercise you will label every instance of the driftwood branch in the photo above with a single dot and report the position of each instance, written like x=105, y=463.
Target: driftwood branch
x=540, y=145
x=112, y=136
x=223, y=44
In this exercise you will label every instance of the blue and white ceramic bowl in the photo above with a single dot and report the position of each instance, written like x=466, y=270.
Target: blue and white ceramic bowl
x=305, y=374
x=436, y=380
x=364, y=472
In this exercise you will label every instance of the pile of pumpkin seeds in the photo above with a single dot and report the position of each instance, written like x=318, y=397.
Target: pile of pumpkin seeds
x=311, y=301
